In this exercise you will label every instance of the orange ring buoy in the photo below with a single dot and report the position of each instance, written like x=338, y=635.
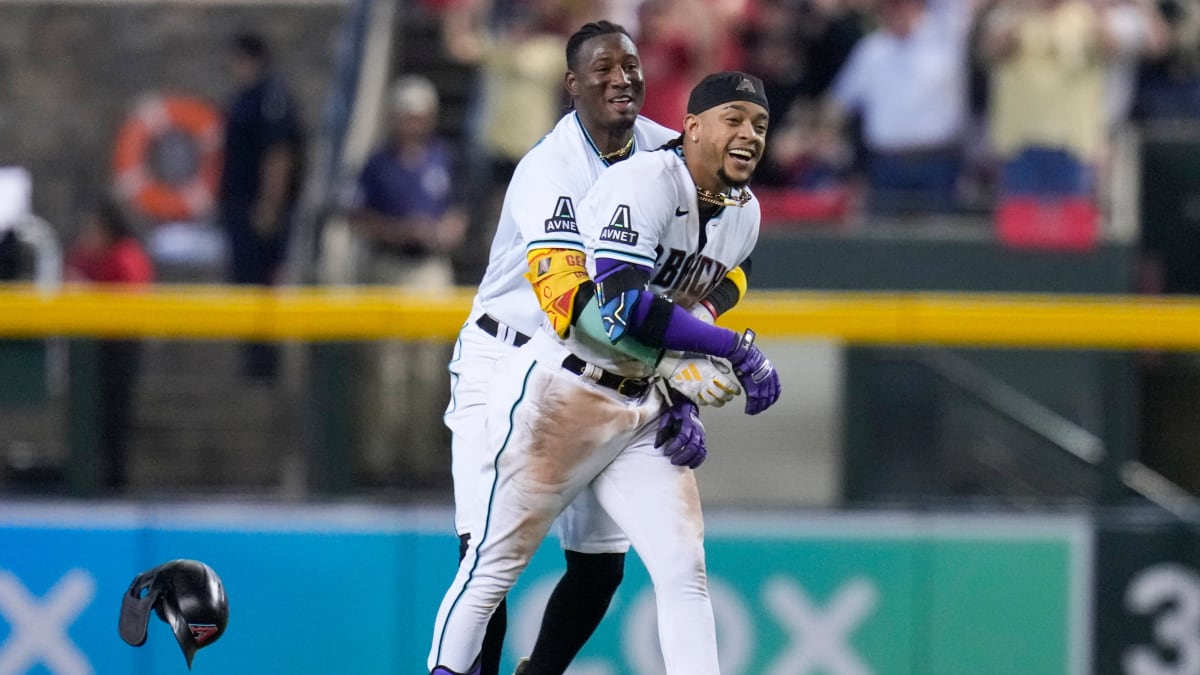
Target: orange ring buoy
x=167, y=159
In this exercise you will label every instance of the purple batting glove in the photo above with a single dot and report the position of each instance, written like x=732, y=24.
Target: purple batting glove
x=753, y=369
x=681, y=434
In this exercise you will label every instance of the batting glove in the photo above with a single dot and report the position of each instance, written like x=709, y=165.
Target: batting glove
x=705, y=380
x=681, y=434
x=754, y=370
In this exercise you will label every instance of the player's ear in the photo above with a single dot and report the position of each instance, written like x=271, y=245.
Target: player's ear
x=691, y=128
x=571, y=83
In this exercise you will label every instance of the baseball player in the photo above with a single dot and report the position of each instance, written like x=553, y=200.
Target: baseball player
x=537, y=241
x=572, y=415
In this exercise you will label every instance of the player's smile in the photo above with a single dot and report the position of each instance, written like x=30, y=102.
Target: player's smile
x=740, y=157
x=624, y=103
x=744, y=159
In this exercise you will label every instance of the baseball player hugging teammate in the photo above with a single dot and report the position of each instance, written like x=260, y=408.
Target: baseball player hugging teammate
x=576, y=413
x=537, y=240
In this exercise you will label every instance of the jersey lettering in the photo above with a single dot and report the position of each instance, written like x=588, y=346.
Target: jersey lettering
x=697, y=273
x=689, y=266
x=704, y=282
x=670, y=268
x=619, y=229
x=563, y=219
x=688, y=278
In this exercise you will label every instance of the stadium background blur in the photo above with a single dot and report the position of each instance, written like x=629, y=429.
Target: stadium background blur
x=926, y=499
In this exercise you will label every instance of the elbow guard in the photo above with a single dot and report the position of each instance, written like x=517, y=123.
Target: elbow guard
x=618, y=296
x=616, y=313
x=557, y=275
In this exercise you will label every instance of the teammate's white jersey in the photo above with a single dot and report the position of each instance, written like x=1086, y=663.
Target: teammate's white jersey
x=621, y=220
x=539, y=212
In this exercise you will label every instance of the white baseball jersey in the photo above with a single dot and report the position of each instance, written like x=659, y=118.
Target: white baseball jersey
x=538, y=211
x=620, y=220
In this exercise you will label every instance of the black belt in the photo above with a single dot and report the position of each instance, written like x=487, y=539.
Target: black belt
x=492, y=327
x=633, y=387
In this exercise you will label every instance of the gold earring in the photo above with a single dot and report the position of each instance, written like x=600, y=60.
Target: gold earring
x=693, y=139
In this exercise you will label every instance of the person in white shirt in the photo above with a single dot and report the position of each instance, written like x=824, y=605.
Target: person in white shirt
x=908, y=80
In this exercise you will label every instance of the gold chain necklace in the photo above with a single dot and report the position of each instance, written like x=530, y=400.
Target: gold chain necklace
x=722, y=199
x=618, y=153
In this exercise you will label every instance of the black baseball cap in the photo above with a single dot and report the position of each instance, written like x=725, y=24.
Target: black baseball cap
x=724, y=87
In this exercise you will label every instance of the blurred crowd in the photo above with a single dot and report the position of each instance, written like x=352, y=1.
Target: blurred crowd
x=895, y=106
x=880, y=109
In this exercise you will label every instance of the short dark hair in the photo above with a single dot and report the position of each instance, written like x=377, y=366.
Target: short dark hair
x=587, y=32
x=252, y=46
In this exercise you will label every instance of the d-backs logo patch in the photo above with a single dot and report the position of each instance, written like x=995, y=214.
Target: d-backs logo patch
x=563, y=219
x=619, y=230
x=202, y=632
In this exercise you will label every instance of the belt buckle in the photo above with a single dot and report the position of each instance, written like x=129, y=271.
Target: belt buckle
x=634, y=384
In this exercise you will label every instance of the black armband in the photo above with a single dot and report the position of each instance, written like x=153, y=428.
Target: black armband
x=723, y=297
x=652, y=330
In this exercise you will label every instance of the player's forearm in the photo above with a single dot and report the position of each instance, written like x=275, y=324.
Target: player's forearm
x=683, y=331
x=631, y=310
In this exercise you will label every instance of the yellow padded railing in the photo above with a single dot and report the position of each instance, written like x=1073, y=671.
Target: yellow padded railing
x=366, y=313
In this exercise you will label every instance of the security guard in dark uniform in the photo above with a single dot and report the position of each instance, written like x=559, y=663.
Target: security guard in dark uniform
x=261, y=178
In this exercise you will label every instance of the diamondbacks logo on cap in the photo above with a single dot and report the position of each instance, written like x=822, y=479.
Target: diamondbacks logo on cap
x=726, y=87
x=619, y=230
x=202, y=632
x=563, y=219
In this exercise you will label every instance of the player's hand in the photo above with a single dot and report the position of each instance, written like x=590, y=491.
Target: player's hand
x=705, y=380
x=681, y=434
x=756, y=373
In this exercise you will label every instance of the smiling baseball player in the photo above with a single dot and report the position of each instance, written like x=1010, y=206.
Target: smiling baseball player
x=537, y=241
x=572, y=416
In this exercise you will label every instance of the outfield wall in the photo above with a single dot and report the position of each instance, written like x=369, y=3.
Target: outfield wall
x=353, y=589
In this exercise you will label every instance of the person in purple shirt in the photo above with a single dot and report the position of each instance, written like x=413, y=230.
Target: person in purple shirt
x=408, y=214
x=407, y=208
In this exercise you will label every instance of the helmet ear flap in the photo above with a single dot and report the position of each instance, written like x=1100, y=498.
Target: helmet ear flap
x=143, y=593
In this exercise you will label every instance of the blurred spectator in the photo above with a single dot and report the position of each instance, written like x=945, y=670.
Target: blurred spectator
x=15, y=196
x=408, y=206
x=797, y=47
x=772, y=48
x=518, y=97
x=677, y=46
x=908, y=81
x=1169, y=85
x=108, y=252
x=10, y=253
x=1047, y=121
x=409, y=212
x=260, y=180
x=771, y=43
x=1134, y=32
x=829, y=31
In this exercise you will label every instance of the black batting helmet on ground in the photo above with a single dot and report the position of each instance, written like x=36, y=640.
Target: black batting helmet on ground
x=187, y=594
